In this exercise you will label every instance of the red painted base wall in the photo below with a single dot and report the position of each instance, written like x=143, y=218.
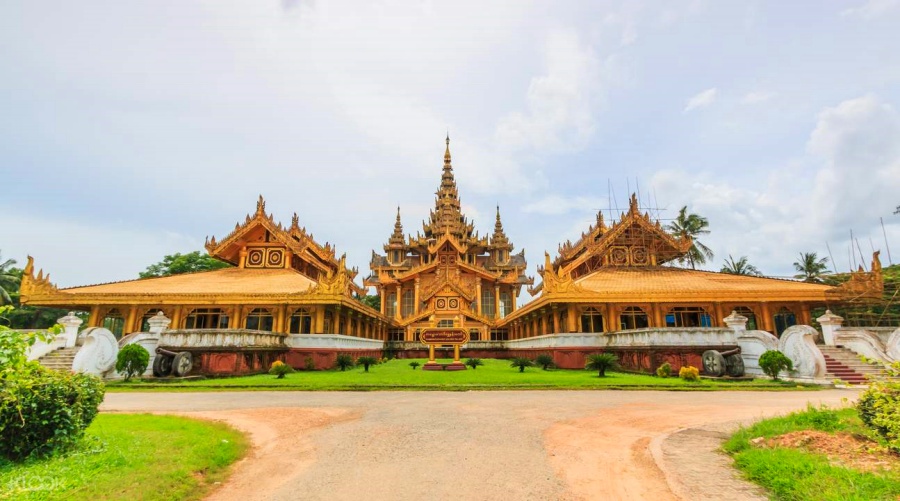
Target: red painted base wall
x=323, y=359
x=233, y=363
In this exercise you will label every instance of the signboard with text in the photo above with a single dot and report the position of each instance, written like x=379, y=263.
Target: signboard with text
x=444, y=336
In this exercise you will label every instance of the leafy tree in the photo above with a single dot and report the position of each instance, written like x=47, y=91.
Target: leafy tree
x=371, y=301
x=132, y=360
x=9, y=280
x=366, y=362
x=521, y=363
x=691, y=226
x=740, y=267
x=344, y=361
x=474, y=363
x=774, y=362
x=601, y=362
x=545, y=360
x=176, y=264
x=810, y=268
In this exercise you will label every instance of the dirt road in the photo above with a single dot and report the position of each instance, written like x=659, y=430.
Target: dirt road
x=468, y=445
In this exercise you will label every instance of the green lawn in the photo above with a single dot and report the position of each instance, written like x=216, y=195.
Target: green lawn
x=494, y=375
x=792, y=474
x=130, y=457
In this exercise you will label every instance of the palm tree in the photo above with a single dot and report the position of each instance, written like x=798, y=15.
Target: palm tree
x=740, y=267
x=8, y=280
x=601, y=362
x=810, y=268
x=691, y=226
x=521, y=363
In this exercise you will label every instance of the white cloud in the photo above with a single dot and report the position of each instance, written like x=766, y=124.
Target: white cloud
x=557, y=205
x=872, y=9
x=701, y=100
x=757, y=97
x=849, y=179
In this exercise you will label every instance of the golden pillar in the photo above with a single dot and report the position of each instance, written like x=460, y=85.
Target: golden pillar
x=416, y=298
x=496, y=301
x=767, y=320
x=515, y=298
x=478, y=295
x=397, y=302
x=555, y=319
x=381, y=294
x=570, y=319
x=128, y=328
x=94, y=319
x=717, y=315
x=319, y=322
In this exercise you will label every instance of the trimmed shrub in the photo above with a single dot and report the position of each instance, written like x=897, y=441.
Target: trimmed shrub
x=664, y=370
x=601, y=362
x=689, y=373
x=474, y=363
x=414, y=364
x=344, y=361
x=280, y=369
x=43, y=411
x=132, y=360
x=521, y=363
x=309, y=364
x=366, y=362
x=879, y=409
x=545, y=360
x=774, y=362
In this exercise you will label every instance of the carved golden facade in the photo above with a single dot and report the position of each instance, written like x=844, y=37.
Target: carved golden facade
x=447, y=274
x=282, y=281
x=614, y=278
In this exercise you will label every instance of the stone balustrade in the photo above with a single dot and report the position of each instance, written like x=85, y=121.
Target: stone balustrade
x=220, y=339
x=331, y=341
x=651, y=337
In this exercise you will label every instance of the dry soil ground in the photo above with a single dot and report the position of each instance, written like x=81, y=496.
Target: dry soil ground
x=480, y=445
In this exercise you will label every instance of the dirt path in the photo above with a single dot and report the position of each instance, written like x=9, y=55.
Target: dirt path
x=472, y=445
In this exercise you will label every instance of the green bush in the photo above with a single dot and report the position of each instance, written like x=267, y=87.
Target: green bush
x=44, y=411
x=774, y=362
x=366, y=362
x=344, y=361
x=280, y=369
x=414, y=364
x=132, y=360
x=474, y=363
x=521, y=363
x=309, y=364
x=664, y=370
x=601, y=362
x=689, y=373
x=879, y=409
x=545, y=360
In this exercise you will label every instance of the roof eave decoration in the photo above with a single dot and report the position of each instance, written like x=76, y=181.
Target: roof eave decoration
x=32, y=285
x=554, y=282
x=862, y=285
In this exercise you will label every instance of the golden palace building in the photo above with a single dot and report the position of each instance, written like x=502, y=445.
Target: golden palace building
x=616, y=278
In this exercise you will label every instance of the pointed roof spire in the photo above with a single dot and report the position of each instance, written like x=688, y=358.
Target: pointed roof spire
x=499, y=238
x=261, y=206
x=397, y=236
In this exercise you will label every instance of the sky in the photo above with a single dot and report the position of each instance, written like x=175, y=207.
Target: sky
x=132, y=130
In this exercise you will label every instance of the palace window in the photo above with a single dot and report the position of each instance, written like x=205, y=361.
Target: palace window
x=259, y=320
x=301, y=322
x=397, y=335
x=505, y=304
x=474, y=335
x=751, y=317
x=783, y=319
x=591, y=320
x=688, y=316
x=499, y=335
x=206, y=318
x=114, y=322
x=390, y=305
x=329, y=323
x=633, y=317
x=487, y=303
x=447, y=322
x=409, y=304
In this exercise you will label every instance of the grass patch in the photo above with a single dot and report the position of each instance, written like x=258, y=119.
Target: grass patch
x=793, y=474
x=493, y=375
x=130, y=456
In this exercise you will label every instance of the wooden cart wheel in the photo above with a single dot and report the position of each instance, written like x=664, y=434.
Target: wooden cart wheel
x=735, y=365
x=713, y=363
x=182, y=364
x=162, y=365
